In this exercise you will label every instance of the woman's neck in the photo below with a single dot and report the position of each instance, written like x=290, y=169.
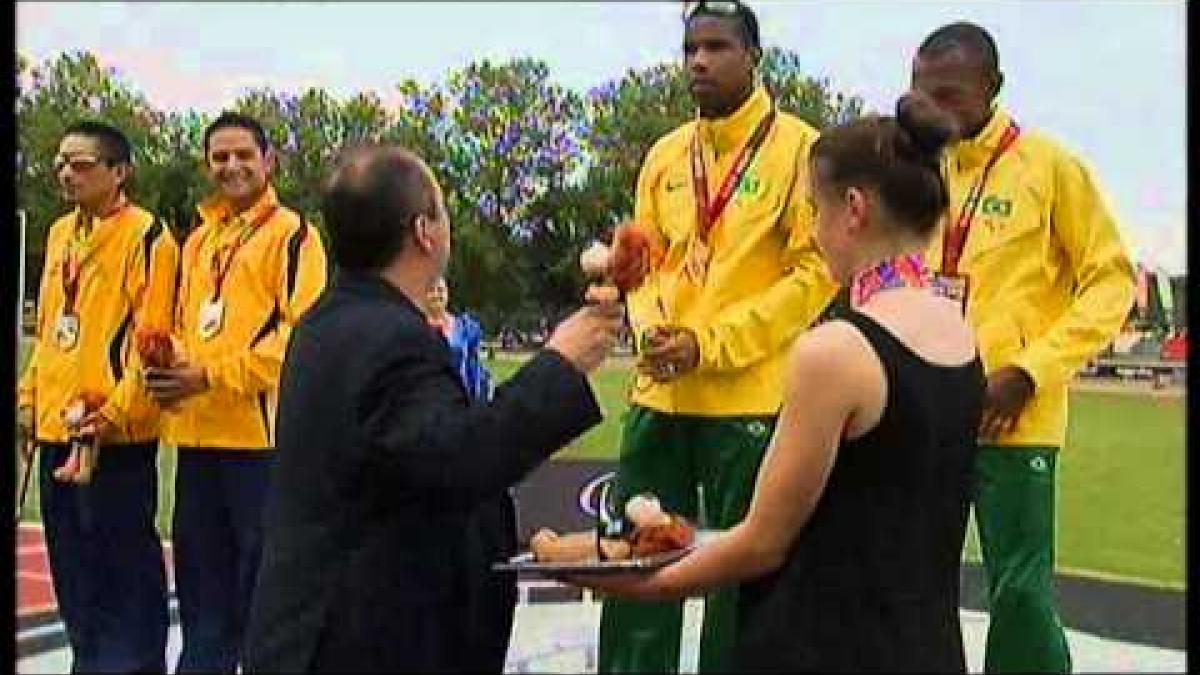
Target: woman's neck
x=901, y=270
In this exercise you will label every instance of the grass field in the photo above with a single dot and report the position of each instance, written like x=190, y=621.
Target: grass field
x=1121, y=483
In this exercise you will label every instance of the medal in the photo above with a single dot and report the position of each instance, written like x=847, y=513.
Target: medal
x=212, y=317
x=697, y=263
x=212, y=313
x=66, y=332
x=708, y=210
x=953, y=287
x=954, y=238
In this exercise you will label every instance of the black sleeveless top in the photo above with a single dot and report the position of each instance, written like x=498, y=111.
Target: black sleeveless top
x=871, y=583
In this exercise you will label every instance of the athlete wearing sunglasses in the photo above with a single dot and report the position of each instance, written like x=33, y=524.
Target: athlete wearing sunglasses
x=109, y=270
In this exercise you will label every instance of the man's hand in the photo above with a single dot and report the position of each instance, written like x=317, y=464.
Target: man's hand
x=668, y=353
x=99, y=427
x=586, y=337
x=171, y=386
x=1008, y=390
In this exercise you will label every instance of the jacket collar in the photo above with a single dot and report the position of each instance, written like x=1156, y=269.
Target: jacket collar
x=975, y=151
x=724, y=134
x=371, y=284
x=217, y=210
x=101, y=226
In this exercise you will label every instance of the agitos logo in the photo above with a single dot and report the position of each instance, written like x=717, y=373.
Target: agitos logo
x=590, y=493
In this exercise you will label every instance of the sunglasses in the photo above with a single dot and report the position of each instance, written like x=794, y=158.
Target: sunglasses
x=78, y=163
x=722, y=7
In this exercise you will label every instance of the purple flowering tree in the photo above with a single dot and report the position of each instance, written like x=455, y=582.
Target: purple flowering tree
x=506, y=143
x=308, y=132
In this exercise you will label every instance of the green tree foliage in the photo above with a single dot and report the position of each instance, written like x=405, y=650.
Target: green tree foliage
x=509, y=144
x=532, y=171
x=53, y=96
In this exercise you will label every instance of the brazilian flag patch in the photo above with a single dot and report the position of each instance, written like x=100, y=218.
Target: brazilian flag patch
x=995, y=206
x=749, y=185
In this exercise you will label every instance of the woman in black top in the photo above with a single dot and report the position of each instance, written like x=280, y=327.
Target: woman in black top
x=849, y=554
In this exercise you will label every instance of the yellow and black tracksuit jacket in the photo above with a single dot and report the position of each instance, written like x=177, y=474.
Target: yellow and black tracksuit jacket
x=127, y=280
x=276, y=274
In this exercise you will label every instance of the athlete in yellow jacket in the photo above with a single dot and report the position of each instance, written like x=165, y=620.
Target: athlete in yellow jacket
x=1048, y=284
x=250, y=269
x=715, y=318
x=125, y=281
x=109, y=270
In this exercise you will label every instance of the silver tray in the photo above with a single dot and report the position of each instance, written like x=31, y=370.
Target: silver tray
x=525, y=563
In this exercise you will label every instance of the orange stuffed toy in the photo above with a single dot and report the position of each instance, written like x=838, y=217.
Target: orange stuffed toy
x=81, y=461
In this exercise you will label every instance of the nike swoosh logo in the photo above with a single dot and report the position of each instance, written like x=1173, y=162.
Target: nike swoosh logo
x=671, y=187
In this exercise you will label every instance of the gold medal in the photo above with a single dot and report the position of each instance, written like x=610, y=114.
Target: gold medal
x=212, y=318
x=954, y=287
x=66, y=332
x=697, y=261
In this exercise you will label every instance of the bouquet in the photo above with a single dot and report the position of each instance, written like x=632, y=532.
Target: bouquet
x=635, y=251
x=81, y=461
x=156, y=347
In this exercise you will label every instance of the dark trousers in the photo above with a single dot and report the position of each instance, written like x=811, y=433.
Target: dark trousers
x=106, y=559
x=218, y=533
x=492, y=596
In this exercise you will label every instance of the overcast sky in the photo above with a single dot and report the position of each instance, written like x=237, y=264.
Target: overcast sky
x=1106, y=77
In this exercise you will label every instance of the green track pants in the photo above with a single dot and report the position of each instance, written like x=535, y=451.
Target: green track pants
x=1014, y=511
x=672, y=455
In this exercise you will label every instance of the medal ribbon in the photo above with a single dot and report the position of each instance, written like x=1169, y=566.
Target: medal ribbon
x=710, y=212
x=908, y=270
x=956, y=238
x=220, y=269
x=78, y=250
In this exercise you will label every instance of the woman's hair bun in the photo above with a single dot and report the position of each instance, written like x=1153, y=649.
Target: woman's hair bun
x=928, y=127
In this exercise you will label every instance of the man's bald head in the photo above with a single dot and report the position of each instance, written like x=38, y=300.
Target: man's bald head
x=371, y=203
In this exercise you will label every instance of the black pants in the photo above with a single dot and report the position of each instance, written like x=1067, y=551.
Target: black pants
x=106, y=559
x=218, y=533
x=492, y=595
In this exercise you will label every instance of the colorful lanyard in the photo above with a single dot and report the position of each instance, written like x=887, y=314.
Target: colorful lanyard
x=709, y=212
x=77, y=253
x=956, y=237
x=908, y=270
x=221, y=270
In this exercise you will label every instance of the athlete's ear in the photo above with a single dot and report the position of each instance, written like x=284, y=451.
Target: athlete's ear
x=997, y=83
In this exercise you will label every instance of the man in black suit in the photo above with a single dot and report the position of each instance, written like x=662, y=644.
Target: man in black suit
x=383, y=463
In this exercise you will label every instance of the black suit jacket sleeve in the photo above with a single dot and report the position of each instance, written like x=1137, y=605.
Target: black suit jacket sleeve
x=420, y=436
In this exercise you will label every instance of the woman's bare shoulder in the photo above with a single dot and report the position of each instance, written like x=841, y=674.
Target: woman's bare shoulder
x=834, y=350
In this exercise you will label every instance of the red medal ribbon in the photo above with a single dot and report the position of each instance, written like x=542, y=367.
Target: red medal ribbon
x=72, y=263
x=710, y=212
x=221, y=270
x=956, y=238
